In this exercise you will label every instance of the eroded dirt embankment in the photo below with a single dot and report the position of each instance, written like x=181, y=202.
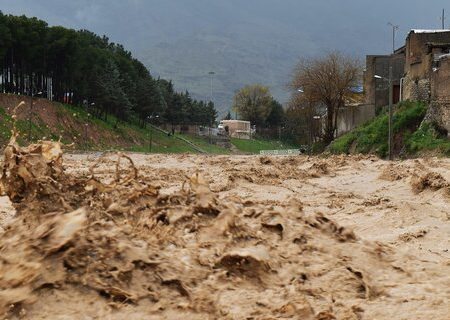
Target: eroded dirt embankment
x=197, y=237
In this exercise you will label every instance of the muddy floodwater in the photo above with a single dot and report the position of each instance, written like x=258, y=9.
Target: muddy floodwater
x=222, y=237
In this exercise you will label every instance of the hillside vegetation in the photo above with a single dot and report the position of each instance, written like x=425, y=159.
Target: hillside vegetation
x=82, y=68
x=74, y=125
x=412, y=137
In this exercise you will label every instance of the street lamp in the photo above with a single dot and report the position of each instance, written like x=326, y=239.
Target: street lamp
x=212, y=73
x=150, y=118
x=310, y=117
x=391, y=95
x=86, y=125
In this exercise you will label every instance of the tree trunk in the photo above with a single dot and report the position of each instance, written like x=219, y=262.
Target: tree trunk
x=329, y=128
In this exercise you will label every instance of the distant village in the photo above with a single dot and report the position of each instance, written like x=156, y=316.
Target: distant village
x=420, y=72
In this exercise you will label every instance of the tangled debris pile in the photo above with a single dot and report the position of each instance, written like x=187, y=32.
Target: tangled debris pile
x=187, y=253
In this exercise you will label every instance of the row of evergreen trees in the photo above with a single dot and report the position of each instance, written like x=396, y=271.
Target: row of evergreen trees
x=82, y=68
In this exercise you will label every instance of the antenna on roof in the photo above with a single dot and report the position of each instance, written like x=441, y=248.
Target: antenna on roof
x=443, y=19
x=394, y=29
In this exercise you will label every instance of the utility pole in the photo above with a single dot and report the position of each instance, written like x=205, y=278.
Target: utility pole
x=31, y=108
x=86, y=132
x=391, y=102
x=150, y=120
x=390, y=142
x=443, y=19
x=211, y=73
x=151, y=133
x=151, y=137
x=394, y=29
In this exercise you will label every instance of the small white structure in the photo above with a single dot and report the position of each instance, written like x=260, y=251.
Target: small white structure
x=236, y=128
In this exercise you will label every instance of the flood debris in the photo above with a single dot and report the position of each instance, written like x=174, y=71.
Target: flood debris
x=117, y=240
x=428, y=180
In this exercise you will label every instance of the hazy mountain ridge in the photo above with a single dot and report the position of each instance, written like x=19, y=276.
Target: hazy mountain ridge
x=192, y=59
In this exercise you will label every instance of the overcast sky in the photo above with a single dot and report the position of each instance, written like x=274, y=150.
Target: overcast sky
x=127, y=20
x=273, y=33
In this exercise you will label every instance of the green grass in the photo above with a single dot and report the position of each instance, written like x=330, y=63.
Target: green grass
x=203, y=144
x=131, y=137
x=38, y=129
x=415, y=139
x=134, y=138
x=255, y=146
x=5, y=125
x=369, y=138
x=427, y=139
x=161, y=143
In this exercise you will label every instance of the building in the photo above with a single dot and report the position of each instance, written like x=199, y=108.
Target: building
x=424, y=51
x=237, y=128
x=421, y=72
x=427, y=73
x=377, y=90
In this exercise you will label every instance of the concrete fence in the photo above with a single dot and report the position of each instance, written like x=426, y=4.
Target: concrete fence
x=353, y=116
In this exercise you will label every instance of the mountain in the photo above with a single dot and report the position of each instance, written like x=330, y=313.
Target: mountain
x=242, y=41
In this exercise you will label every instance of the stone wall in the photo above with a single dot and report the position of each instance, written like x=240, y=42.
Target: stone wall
x=439, y=110
x=417, y=89
x=438, y=113
x=440, y=80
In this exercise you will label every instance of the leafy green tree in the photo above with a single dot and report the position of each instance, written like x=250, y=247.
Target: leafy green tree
x=253, y=103
x=276, y=115
x=80, y=67
x=112, y=94
x=228, y=116
x=210, y=114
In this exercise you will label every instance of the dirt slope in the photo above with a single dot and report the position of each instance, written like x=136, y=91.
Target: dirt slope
x=55, y=121
x=74, y=125
x=197, y=237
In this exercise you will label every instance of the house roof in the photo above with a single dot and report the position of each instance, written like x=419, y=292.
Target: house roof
x=429, y=31
x=402, y=49
x=357, y=89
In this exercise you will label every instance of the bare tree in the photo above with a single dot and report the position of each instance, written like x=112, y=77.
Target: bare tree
x=327, y=80
x=300, y=120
